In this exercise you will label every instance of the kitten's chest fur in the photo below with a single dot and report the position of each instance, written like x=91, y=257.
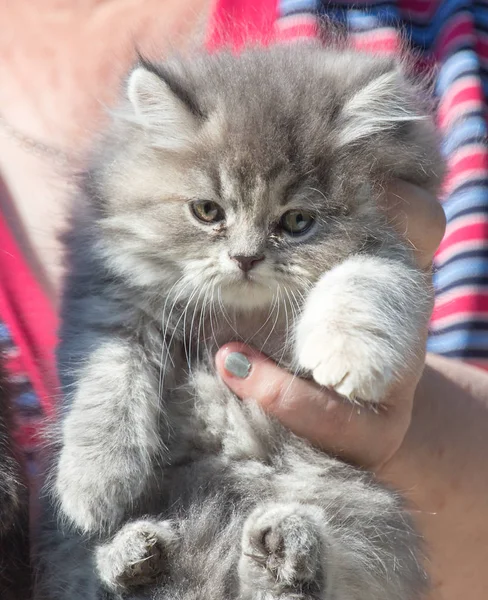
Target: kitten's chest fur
x=208, y=417
x=269, y=331
x=194, y=337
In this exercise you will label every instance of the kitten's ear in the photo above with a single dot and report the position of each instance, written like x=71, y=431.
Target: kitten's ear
x=160, y=109
x=382, y=104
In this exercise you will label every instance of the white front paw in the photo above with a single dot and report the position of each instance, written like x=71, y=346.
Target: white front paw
x=361, y=326
x=356, y=364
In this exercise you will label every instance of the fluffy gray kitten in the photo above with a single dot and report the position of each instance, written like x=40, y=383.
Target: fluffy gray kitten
x=235, y=197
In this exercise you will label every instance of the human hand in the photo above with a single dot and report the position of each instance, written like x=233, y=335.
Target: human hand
x=418, y=216
x=356, y=434
x=359, y=435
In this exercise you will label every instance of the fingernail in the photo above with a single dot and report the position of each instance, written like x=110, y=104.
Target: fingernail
x=237, y=364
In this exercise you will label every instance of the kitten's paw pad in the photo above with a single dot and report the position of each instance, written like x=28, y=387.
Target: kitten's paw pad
x=285, y=542
x=136, y=556
x=357, y=367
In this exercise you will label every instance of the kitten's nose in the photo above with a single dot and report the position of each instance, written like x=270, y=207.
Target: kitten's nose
x=246, y=263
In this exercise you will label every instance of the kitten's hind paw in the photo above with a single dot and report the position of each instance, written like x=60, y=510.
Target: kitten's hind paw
x=284, y=550
x=136, y=555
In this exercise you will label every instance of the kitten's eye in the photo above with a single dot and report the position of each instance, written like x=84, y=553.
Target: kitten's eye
x=297, y=222
x=207, y=211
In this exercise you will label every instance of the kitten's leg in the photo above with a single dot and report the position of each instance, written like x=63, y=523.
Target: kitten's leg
x=110, y=435
x=285, y=551
x=362, y=326
x=136, y=556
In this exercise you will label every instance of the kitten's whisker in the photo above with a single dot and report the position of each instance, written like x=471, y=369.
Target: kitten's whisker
x=168, y=316
x=201, y=323
x=297, y=367
x=273, y=301
x=295, y=308
x=225, y=314
x=163, y=340
x=306, y=284
x=195, y=310
x=203, y=316
x=287, y=325
x=275, y=321
x=205, y=321
x=297, y=305
x=175, y=327
x=212, y=314
x=185, y=312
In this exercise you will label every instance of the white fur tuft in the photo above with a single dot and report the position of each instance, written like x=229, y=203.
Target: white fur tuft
x=157, y=108
x=360, y=330
x=375, y=108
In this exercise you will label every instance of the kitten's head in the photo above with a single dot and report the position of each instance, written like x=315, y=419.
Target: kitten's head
x=247, y=176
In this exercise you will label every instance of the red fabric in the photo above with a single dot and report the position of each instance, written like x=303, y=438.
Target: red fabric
x=236, y=22
x=463, y=303
x=471, y=231
x=30, y=318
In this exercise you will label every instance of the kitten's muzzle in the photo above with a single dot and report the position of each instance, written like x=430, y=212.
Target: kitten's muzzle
x=246, y=263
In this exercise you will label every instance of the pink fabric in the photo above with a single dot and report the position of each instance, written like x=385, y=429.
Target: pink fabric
x=238, y=22
x=30, y=319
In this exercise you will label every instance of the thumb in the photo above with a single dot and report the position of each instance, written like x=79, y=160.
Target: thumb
x=311, y=412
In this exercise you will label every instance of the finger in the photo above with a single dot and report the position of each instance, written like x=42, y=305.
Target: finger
x=321, y=416
x=418, y=216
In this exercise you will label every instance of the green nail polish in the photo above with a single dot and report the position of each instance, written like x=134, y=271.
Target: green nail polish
x=237, y=364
